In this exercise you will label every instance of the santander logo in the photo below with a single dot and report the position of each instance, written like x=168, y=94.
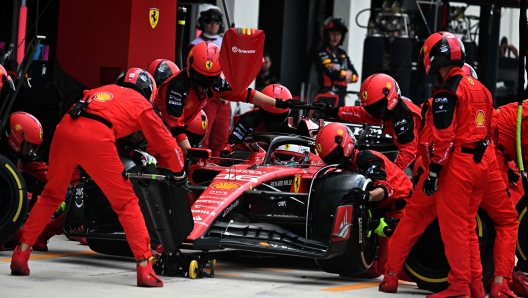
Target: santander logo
x=241, y=51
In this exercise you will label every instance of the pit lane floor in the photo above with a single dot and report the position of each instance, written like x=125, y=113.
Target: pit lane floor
x=73, y=270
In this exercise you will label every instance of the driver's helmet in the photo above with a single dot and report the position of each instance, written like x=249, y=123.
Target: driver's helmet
x=334, y=142
x=203, y=64
x=6, y=80
x=441, y=49
x=196, y=129
x=271, y=116
x=161, y=69
x=469, y=70
x=139, y=80
x=23, y=133
x=380, y=94
x=291, y=153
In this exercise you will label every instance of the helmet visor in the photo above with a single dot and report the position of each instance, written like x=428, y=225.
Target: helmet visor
x=195, y=139
x=334, y=157
x=378, y=109
x=202, y=80
x=27, y=148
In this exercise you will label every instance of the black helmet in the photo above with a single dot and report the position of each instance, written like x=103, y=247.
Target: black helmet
x=335, y=24
x=139, y=80
x=210, y=13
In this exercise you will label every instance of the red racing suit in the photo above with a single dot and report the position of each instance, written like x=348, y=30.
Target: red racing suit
x=403, y=126
x=397, y=186
x=443, y=112
x=179, y=102
x=89, y=141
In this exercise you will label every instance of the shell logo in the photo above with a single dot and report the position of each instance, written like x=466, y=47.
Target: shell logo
x=364, y=95
x=264, y=244
x=226, y=185
x=471, y=81
x=208, y=65
x=103, y=96
x=319, y=147
x=18, y=127
x=480, y=118
x=204, y=125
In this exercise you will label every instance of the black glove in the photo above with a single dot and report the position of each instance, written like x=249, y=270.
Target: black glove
x=356, y=196
x=430, y=184
x=512, y=176
x=288, y=104
x=328, y=110
x=179, y=179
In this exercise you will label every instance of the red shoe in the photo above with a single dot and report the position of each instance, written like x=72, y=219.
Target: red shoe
x=19, y=261
x=389, y=284
x=450, y=293
x=146, y=276
x=519, y=284
x=477, y=290
x=501, y=291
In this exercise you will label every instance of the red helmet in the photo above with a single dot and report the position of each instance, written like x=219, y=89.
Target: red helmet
x=197, y=129
x=470, y=71
x=276, y=91
x=334, y=142
x=203, y=64
x=380, y=94
x=6, y=79
x=23, y=133
x=441, y=49
x=161, y=69
x=139, y=80
x=334, y=24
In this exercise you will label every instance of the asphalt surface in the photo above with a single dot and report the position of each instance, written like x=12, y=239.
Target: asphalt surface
x=69, y=269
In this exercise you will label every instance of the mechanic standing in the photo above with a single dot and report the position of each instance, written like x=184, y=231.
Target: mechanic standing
x=183, y=95
x=86, y=137
x=392, y=188
x=334, y=68
x=384, y=105
x=460, y=171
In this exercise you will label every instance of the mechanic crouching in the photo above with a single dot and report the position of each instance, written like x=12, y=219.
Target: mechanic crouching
x=392, y=188
x=86, y=136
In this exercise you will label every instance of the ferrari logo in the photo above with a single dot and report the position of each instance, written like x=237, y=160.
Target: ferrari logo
x=226, y=185
x=471, y=81
x=286, y=146
x=208, y=64
x=41, y=134
x=319, y=147
x=297, y=183
x=204, y=125
x=480, y=118
x=103, y=96
x=364, y=94
x=153, y=17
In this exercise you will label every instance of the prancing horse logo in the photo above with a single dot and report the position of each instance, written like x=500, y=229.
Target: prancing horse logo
x=153, y=17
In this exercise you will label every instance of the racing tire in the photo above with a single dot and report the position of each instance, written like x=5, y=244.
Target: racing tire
x=360, y=250
x=13, y=200
x=521, y=250
x=110, y=247
x=427, y=264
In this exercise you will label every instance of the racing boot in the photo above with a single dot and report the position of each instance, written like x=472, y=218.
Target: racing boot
x=519, y=284
x=501, y=290
x=146, y=276
x=54, y=227
x=19, y=261
x=477, y=290
x=451, y=293
x=389, y=283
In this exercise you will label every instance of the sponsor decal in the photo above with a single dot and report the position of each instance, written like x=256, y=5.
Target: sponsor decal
x=281, y=182
x=237, y=177
x=201, y=223
x=234, y=49
x=252, y=172
x=480, y=118
x=339, y=131
x=296, y=183
x=343, y=218
x=319, y=147
x=153, y=17
x=264, y=244
x=218, y=192
x=204, y=206
x=364, y=95
x=103, y=96
x=327, y=61
x=14, y=146
x=208, y=65
x=204, y=125
x=189, y=105
x=41, y=134
x=281, y=204
x=204, y=212
x=225, y=185
x=209, y=202
x=440, y=99
x=471, y=81
x=197, y=218
x=231, y=207
x=18, y=127
x=389, y=85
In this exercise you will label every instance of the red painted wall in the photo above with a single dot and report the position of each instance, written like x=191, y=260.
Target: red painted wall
x=97, y=35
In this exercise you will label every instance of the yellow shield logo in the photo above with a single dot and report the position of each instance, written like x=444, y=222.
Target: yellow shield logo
x=364, y=94
x=319, y=148
x=153, y=17
x=480, y=118
x=208, y=64
x=41, y=134
x=471, y=81
x=204, y=125
x=297, y=183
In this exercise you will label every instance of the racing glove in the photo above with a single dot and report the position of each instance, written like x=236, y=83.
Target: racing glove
x=329, y=110
x=288, y=104
x=179, y=179
x=226, y=152
x=431, y=183
x=356, y=196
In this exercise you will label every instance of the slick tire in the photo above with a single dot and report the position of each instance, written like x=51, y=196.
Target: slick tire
x=427, y=265
x=110, y=247
x=360, y=250
x=522, y=238
x=13, y=200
